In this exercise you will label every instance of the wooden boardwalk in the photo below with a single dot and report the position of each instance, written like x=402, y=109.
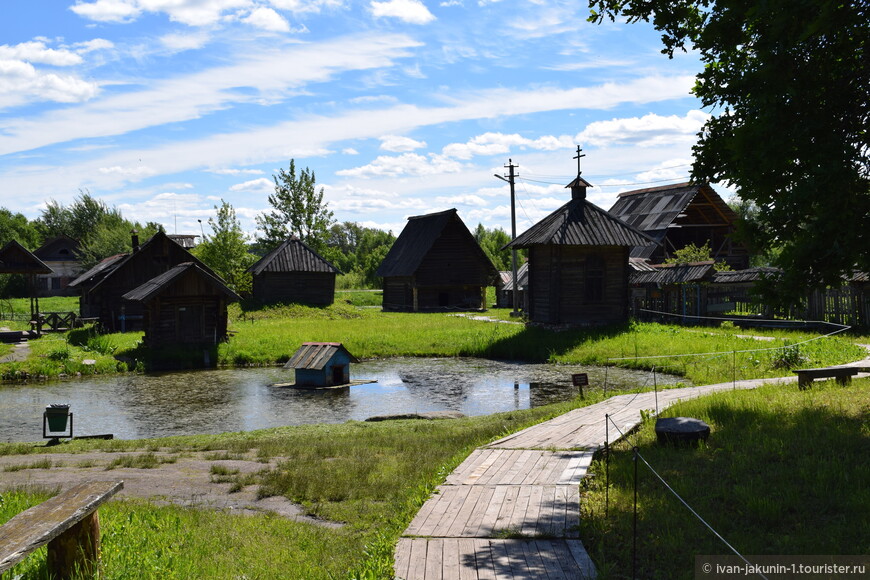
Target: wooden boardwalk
x=511, y=510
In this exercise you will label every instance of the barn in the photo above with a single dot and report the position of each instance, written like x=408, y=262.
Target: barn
x=578, y=263
x=678, y=215
x=293, y=272
x=435, y=265
x=103, y=286
x=184, y=305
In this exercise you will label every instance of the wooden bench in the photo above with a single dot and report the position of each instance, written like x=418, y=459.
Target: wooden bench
x=68, y=523
x=843, y=375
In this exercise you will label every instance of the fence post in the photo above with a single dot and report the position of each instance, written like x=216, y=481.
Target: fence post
x=606, y=464
x=656, y=389
x=634, y=532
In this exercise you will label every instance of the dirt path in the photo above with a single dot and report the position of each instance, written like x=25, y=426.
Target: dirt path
x=185, y=481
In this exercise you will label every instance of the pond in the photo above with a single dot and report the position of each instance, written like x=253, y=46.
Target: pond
x=217, y=401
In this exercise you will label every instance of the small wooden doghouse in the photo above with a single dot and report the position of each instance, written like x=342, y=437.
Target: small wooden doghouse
x=578, y=263
x=434, y=265
x=185, y=305
x=293, y=272
x=321, y=364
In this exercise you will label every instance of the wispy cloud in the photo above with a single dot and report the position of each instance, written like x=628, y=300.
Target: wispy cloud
x=411, y=11
x=648, y=131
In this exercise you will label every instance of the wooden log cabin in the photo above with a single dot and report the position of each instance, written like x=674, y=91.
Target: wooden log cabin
x=436, y=265
x=184, y=305
x=293, y=272
x=103, y=286
x=578, y=264
x=678, y=215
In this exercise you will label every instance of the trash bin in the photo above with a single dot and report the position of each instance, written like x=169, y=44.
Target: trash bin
x=57, y=415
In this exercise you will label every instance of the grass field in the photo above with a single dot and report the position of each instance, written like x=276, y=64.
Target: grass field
x=783, y=472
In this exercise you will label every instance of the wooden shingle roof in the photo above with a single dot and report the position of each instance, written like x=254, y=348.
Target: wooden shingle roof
x=155, y=286
x=581, y=223
x=102, y=269
x=293, y=255
x=315, y=355
x=653, y=209
x=417, y=238
x=674, y=274
x=16, y=259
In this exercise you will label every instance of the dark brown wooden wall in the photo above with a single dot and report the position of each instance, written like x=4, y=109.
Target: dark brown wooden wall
x=185, y=320
x=453, y=260
x=557, y=285
x=300, y=287
x=398, y=294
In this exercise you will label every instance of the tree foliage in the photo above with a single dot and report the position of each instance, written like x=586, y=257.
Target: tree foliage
x=15, y=226
x=690, y=254
x=789, y=81
x=298, y=210
x=491, y=242
x=226, y=250
x=358, y=251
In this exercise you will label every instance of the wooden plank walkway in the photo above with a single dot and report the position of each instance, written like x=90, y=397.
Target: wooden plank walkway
x=525, y=487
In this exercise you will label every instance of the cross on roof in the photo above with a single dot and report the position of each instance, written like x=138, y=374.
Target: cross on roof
x=577, y=157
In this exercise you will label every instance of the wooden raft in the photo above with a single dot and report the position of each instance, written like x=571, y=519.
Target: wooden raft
x=67, y=523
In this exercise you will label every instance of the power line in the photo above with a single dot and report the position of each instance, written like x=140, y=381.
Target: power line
x=610, y=184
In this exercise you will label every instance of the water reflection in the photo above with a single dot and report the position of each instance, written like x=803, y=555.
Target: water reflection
x=215, y=401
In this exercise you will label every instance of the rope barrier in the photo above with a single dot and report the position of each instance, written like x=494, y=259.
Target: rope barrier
x=636, y=455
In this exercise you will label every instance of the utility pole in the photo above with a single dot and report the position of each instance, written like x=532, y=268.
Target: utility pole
x=510, y=181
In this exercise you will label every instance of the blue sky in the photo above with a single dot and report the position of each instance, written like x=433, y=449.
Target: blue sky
x=400, y=107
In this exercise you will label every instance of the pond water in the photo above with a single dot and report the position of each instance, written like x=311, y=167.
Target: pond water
x=217, y=401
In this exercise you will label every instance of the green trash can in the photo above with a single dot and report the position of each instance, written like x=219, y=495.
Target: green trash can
x=57, y=416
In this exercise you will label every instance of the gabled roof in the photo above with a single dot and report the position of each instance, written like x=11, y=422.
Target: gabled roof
x=522, y=276
x=293, y=255
x=315, y=355
x=581, y=223
x=156, y=285
x=417, y=238
x=102, y=269
x=654, y=209
x=16, y=259
x=665, y=274
x=747, y=275
x=47, y=251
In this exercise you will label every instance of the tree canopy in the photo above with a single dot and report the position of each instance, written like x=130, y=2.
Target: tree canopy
x=358, y=251
x=298, y=210
x=226, y=250
x=788, y=82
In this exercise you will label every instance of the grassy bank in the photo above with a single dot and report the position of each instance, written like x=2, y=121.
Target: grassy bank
x=784, y=472
x=373, y=477
x=267, y=336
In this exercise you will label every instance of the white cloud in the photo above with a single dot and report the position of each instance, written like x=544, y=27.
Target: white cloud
x=236, y=171
x=411, y=11
x=184, y=97
x=37, y=52
x=267, y=19
x=190, y=12
x=399, y=144
x=181, y=41
x=648, y=131
x=350, y=151
x=93, y=45
x=108, y=10
x=409, y=164
x=21, y=81
x=500, y=143
x=671, y=169
x=306, y=6
x=470, y=200
x=261, y=185
x=134, y=172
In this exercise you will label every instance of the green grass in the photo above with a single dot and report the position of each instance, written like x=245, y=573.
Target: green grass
x=47, y=304
x=144, y=461
x=783, y=472
x=360, y=297
x=372, y=477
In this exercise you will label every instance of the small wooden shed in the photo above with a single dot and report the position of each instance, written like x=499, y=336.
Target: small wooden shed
x=435, y=265
x=16, y=259
x=184, y=305
x=578, y=263
x=321, y=364
x=293, y=272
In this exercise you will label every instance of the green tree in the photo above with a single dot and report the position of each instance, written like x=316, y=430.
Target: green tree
x=491, y=242
x=15, y=226
x=691, y=253
x=113, y=236
x=298, y=210
x=358, y=251
x=790, y=81
x=226, y=250
x=79, y=219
